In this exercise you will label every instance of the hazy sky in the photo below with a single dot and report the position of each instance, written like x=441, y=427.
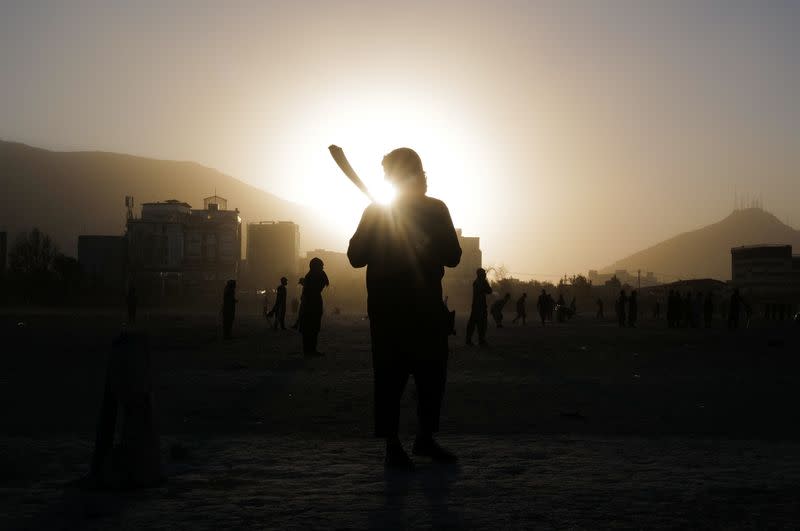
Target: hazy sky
x=565, y=134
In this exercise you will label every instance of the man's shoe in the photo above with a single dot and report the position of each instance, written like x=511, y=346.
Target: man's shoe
x=397, y=459
x=430, y=448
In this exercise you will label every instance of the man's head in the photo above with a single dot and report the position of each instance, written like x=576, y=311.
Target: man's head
x=284, y=281
x=403, y=169
x=480, y=272
x=508, y=296
x=316, y=264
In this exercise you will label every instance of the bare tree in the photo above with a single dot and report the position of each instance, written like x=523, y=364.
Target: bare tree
x=32, y=253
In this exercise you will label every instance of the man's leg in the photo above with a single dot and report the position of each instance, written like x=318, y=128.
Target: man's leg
x=471, y=328
x=483, y=323
x=389, y=383
x=430, y=377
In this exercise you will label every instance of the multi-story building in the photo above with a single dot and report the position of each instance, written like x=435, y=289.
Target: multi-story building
x=636, y=279
x=181, y=249
x=457, y=284
x=272, y=252
x=766, y=273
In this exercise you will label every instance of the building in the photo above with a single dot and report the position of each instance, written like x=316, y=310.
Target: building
x=766, y=273
x=634, y=280
x=457, y=283
x=177, y=249
x=103, y=261
x=273, y=249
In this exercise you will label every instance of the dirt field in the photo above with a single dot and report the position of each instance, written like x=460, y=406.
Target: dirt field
x=580, y=425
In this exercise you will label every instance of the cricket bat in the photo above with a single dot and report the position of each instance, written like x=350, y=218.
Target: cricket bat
x=341, y=160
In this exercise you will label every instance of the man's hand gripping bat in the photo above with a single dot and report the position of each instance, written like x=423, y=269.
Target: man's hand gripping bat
x=341, y=160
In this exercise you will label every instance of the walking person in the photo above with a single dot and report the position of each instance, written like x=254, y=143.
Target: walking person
x=311, y=303
x=521, y=311
x=733, y=311
x=497, y=310
x=620, y=308
x=406, y=246
x=708, y=309
x=543, y=306
x=633, y=309
x=479, y=316
x=279, y=309
x=229, y=301
x=132, y=302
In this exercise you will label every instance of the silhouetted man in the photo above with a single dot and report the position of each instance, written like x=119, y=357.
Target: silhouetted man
x=228, y=308
x=733, y=311
x=406, y=247
x=633, y=309
x=708, y=309
x=279, y=309
x=543, y=305
x=311, y=303
x=497, y=310
x=599, y=314
x=688, y=310
x=132, y=301
x=479, y=316
x=521, y=311
x=620, y=308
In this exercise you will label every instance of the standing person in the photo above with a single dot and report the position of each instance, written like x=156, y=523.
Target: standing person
x=561, y=308
x=297, y=307
x=688, y=310
x=479, y=316
x=657, y=310
x=497, y=310
x=406, y=247
x=279, y=309
x=228, y=308
x=543, y=305
x=697, y=309
x=620, y=308
x=521, y=311
x=132, y=302
x=733, y=311
x=599, y=314
x=708, y=309
x=310, y=320
x=573, y=307
x=633, y=309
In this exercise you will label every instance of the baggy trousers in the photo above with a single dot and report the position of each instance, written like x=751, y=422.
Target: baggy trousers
x=479, y=319
x=398, y=354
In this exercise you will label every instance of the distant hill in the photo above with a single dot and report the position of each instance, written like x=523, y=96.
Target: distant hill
x=706, y=252
x=72, y=193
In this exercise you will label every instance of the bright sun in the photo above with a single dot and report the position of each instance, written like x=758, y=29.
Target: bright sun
x=367, y=128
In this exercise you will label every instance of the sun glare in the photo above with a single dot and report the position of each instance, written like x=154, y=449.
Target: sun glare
x=383, y=193
x=367, y=128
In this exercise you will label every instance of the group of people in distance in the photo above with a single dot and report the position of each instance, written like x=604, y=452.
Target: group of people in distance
x=309, y=315
x=479, y=313
x=690, y=311
x=627, y=306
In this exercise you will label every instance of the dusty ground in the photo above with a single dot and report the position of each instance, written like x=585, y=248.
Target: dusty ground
x=579, y=425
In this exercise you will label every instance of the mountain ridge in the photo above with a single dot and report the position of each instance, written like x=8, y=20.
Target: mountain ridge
x=83, y=193
x=705, y=252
